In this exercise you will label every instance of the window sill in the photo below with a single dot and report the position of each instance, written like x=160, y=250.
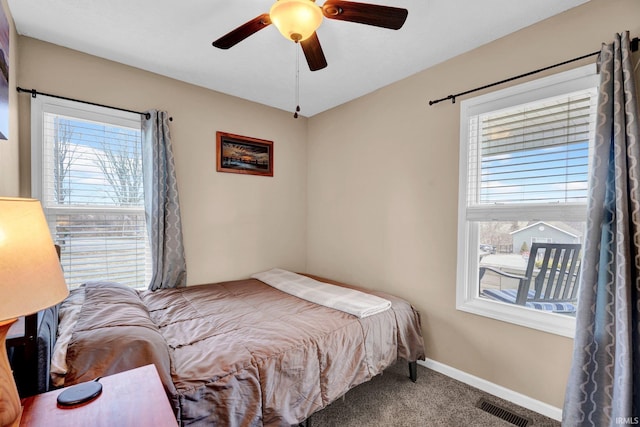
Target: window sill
x=553, y=323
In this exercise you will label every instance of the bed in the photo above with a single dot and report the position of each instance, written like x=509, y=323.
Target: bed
x=234, y=353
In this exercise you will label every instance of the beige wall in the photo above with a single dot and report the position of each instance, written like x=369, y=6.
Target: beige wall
x=234, y=225
x=383, y=184
x=9, y=169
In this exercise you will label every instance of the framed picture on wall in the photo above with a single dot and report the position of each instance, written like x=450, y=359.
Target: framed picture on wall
x=4, y=75
x=243, y=154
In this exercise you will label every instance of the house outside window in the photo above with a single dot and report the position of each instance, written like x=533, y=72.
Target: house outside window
x=544, y=232
x=524, y=162
x=87, y=173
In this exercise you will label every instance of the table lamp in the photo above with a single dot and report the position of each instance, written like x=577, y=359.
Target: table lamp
x=30, y=280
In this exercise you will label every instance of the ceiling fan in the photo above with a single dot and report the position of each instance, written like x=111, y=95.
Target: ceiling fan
x=298, y=20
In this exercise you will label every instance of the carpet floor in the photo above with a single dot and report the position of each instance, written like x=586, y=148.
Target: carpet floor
x=391, y=399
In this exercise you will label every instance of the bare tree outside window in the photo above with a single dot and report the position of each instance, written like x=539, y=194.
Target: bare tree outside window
x=122, y=168
x=65, y=154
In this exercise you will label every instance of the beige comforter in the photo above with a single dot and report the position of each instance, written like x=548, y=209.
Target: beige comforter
x=241, y=352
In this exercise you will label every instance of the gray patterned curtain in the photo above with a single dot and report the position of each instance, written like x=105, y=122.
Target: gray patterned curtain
x=162, y=208
x=603, y=387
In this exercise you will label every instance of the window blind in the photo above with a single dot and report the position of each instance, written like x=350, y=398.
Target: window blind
x=532, y=153
x=92, y=195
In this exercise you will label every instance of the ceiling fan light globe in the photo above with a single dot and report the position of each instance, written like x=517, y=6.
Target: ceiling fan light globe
x=296, y=20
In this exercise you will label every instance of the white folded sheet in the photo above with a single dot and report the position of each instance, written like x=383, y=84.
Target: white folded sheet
x=344, y=299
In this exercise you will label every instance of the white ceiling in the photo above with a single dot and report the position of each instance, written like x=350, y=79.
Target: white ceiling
x=173, y=38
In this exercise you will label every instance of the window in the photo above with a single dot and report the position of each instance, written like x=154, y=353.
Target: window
x=87, y=173
x=524, y=161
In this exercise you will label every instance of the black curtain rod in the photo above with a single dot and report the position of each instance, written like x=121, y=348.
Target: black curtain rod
x=34, y=93
x=634, y=47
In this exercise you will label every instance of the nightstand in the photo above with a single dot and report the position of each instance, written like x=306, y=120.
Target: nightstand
x=130, y=398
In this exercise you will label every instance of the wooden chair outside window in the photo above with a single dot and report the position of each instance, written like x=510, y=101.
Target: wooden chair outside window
x=550, y=281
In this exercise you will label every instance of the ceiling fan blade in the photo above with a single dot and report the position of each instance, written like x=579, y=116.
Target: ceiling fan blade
x=243, y=31
x=313, y=52
x=364, y=13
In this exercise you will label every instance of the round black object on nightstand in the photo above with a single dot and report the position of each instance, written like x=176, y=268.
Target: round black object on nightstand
x=80, y=393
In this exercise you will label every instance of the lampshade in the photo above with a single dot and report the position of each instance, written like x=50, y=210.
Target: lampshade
x=297, y=20
x=30, y=275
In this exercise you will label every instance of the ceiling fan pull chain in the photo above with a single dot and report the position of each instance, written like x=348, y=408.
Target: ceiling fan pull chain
x=295, y=115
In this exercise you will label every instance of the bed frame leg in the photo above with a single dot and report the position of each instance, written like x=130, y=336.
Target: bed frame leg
x=413, y=371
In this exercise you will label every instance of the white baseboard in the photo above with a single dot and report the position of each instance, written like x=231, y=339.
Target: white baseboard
x=494, y=389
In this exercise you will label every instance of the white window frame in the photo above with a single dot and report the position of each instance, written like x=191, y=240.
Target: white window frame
x=467, y=289
x=45, y=104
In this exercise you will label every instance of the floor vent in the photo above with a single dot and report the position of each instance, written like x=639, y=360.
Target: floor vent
x=503, y=413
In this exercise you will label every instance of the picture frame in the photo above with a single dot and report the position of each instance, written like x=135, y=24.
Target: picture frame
x=4, y=74
x=243, y=154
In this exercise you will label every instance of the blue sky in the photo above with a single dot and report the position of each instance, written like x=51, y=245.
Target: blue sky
x=549, y=174
x=85, y=180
